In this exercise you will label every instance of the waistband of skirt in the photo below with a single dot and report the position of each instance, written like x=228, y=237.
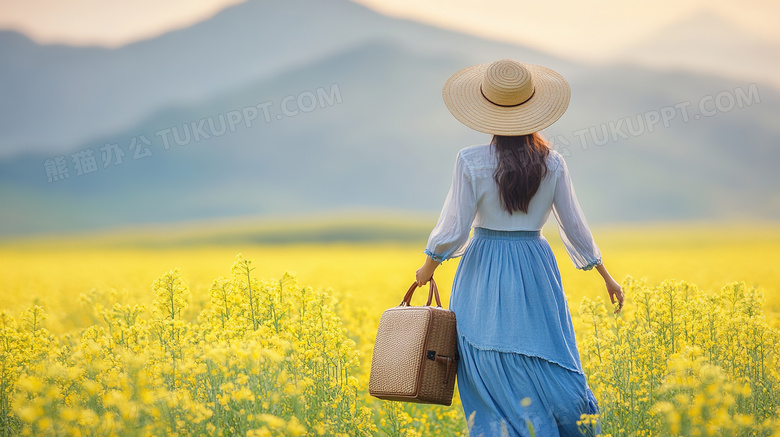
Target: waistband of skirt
x=508, y=235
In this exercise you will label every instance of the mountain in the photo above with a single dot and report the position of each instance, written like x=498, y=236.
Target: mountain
x=55, y=97
x=706, y=162
x=379, y=136
x=704, y=42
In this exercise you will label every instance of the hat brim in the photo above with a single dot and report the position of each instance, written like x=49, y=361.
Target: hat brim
x=463, y=97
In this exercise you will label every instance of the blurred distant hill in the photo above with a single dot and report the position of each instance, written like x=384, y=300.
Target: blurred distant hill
x=379, y=136
x=705, y=42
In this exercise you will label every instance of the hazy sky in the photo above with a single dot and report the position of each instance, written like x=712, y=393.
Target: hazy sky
x=583, y=30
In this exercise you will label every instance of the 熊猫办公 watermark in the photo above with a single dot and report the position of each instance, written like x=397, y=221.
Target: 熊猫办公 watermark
x=141, y=146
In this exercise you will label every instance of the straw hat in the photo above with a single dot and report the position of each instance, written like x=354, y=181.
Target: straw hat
x=507, y=97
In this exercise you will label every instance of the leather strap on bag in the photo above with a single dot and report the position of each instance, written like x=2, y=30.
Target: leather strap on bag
x=433, y=291
x=448, y=361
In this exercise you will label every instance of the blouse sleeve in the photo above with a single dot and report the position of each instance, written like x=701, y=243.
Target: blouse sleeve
x=450, y=236
x=572, y=226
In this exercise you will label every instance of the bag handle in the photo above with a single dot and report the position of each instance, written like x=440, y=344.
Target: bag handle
x=433, y=290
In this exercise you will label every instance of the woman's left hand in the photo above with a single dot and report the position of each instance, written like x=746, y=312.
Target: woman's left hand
x=425, y=273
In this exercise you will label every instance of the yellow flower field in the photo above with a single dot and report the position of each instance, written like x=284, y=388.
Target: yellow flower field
x=115, y=339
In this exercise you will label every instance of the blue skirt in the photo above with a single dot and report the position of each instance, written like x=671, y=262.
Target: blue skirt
x=519, y=365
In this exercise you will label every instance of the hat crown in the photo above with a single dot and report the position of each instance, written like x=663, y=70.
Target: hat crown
x=507, y=83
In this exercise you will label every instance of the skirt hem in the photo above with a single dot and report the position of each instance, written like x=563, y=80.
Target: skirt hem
x=519, y=352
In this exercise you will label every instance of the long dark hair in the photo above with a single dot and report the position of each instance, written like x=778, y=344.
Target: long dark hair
x=521, y=167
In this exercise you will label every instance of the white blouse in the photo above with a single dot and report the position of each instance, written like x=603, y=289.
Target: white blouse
x=473, y=201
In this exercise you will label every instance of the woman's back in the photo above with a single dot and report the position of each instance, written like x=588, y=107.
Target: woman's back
x=473, y=201
x=480, y=163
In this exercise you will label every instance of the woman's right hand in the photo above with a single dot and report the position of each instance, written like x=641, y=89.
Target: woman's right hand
x=615, y=293
x=613, y=288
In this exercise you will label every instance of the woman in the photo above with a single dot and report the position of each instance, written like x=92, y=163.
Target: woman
x=519, y=362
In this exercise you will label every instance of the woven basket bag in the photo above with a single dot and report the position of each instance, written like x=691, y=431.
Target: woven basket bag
x=415, y=355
